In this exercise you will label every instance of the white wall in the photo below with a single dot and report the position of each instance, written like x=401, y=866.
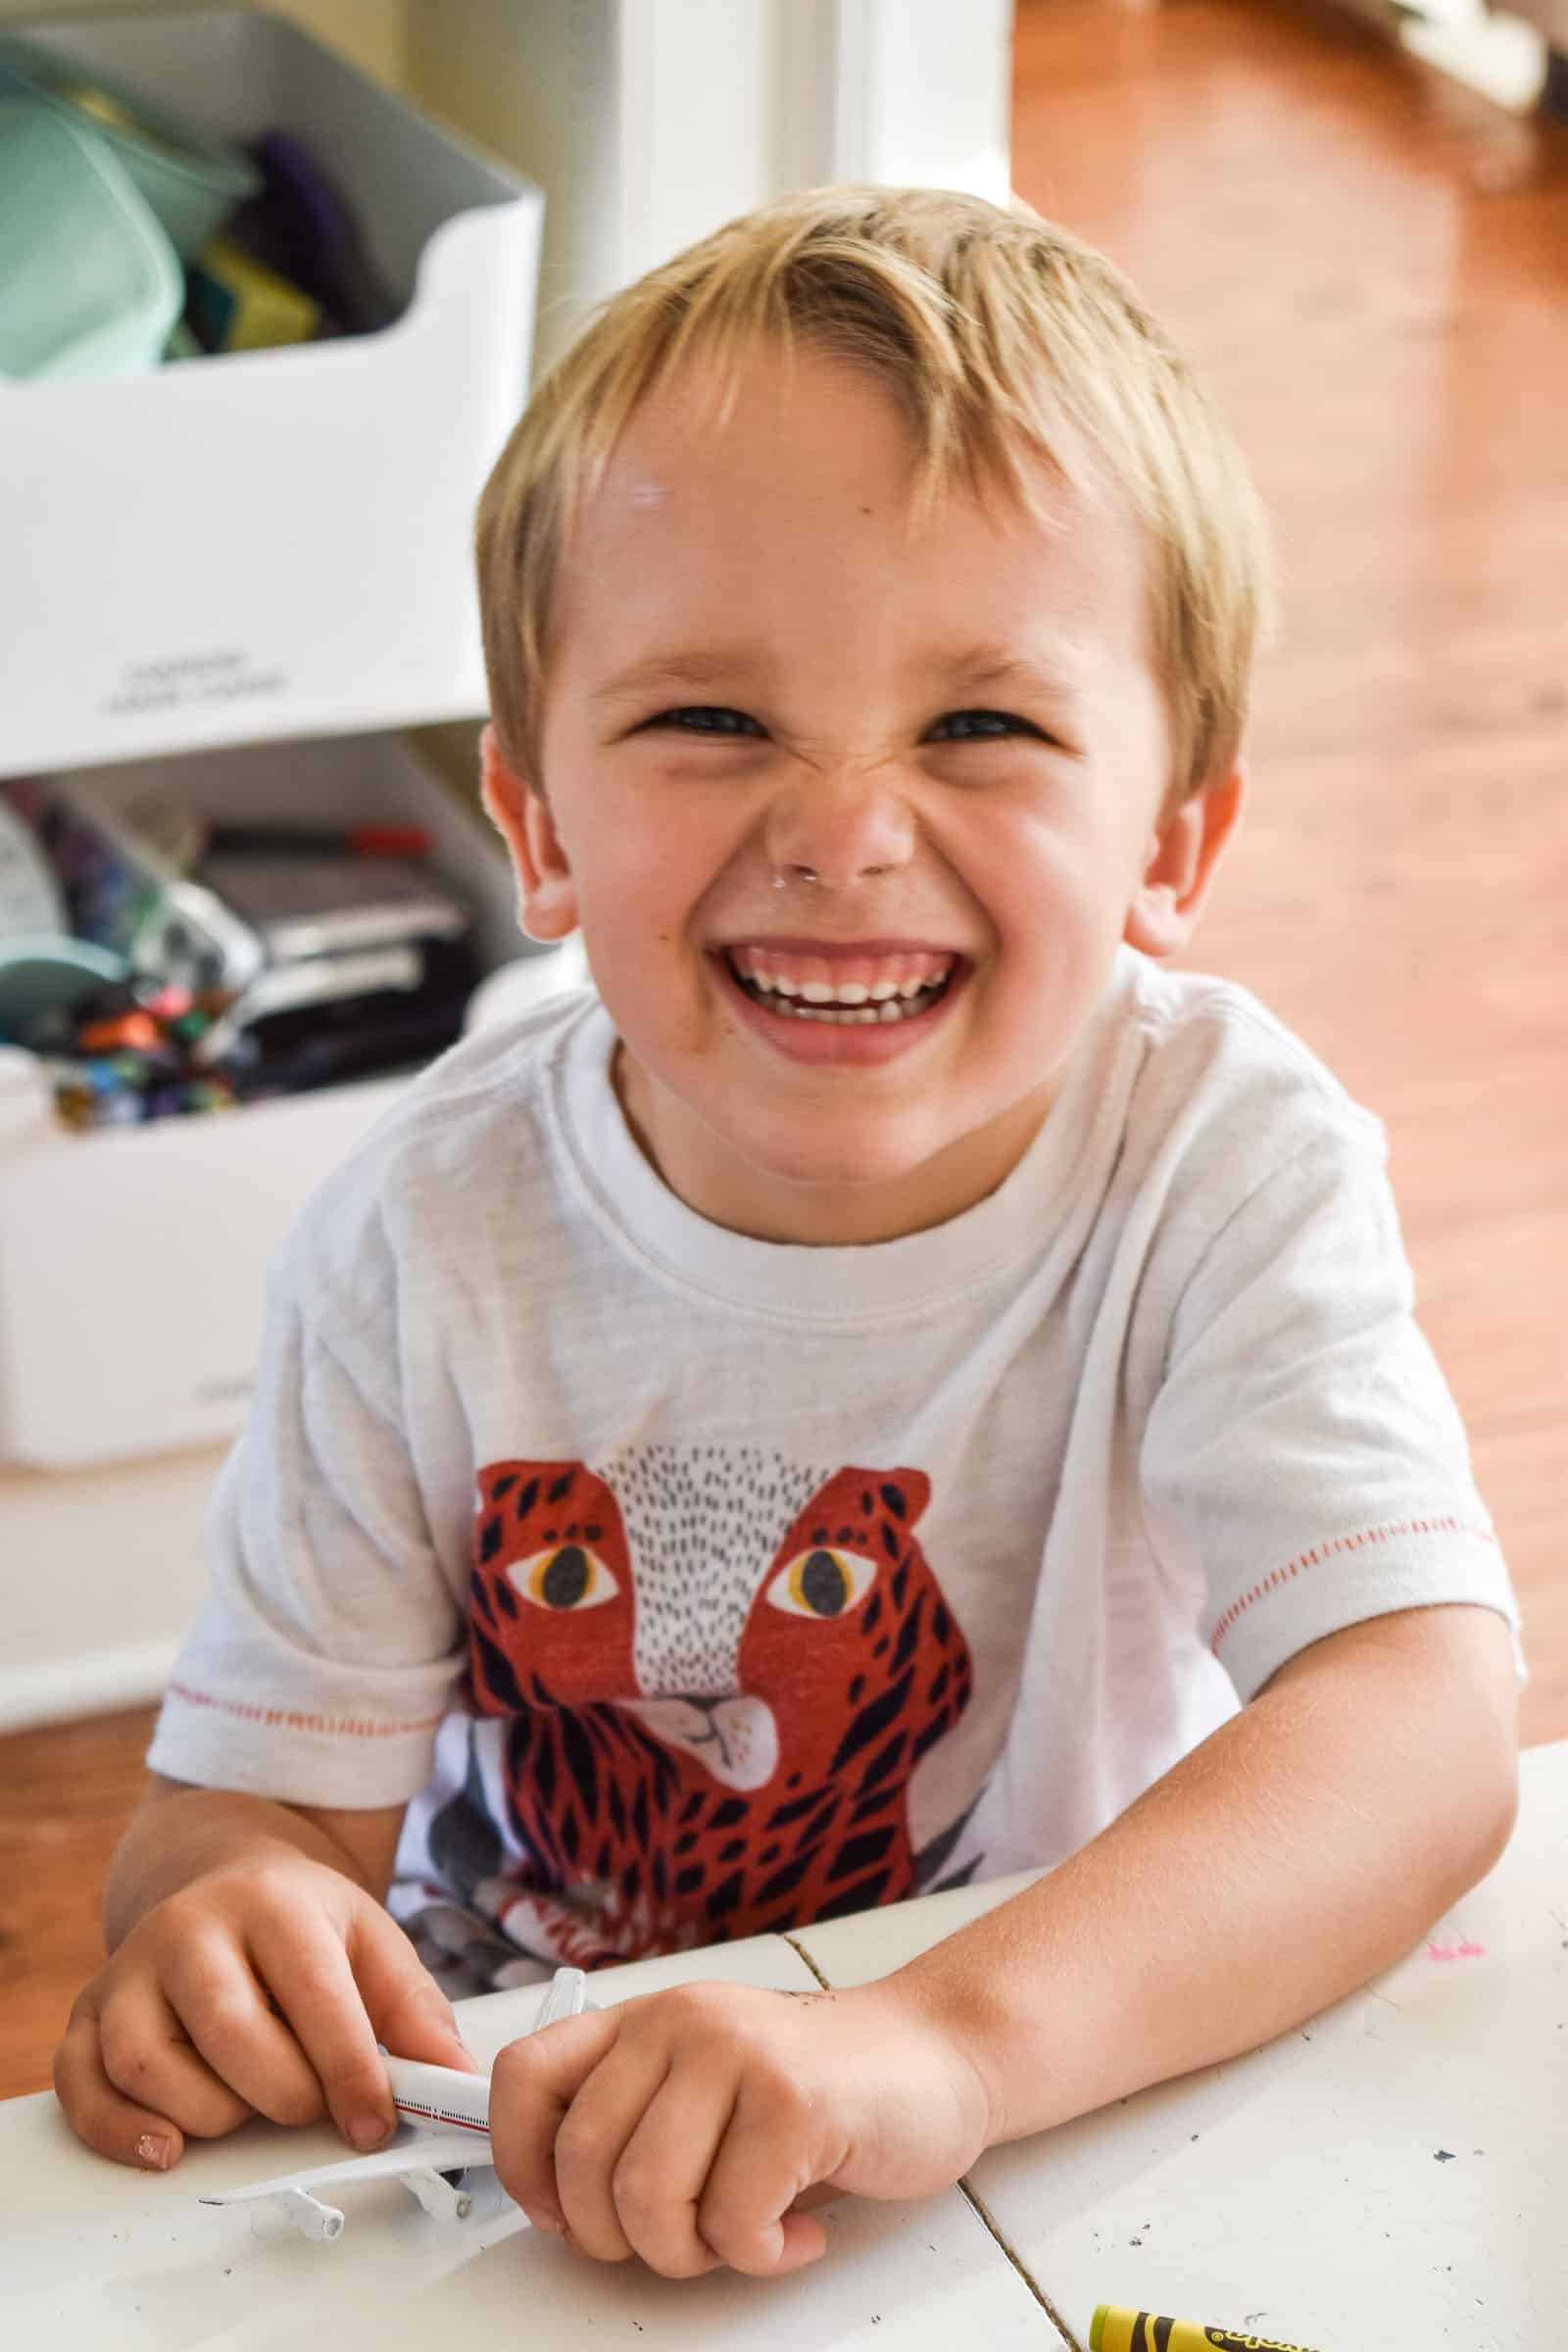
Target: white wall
x=648, y=122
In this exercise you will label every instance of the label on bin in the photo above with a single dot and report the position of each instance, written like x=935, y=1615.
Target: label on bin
x=225, y=676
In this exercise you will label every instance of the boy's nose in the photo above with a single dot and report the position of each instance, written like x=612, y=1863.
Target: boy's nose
x=839, y=831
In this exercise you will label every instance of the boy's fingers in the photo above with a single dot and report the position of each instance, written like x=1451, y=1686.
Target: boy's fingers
x=591, y=2143
x=747, y=2211
x=147, y=2057
x=659, y=2180
x=305, y=1967
x=217, y=2004
x=102, y=2116
x=532, y=2084
x=408, y=2010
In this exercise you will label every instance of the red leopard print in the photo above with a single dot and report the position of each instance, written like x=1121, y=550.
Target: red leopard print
x=686, y=1764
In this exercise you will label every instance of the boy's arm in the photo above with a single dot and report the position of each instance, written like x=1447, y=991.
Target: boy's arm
x=177, y=1833
x=1306, y=1845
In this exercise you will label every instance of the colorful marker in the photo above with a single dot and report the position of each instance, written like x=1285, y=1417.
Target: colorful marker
x=1115, y=2328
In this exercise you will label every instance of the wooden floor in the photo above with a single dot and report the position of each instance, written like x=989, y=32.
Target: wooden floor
x=1373, y=268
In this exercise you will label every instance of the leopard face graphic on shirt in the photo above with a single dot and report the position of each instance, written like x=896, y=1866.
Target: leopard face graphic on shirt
x=718, y=1671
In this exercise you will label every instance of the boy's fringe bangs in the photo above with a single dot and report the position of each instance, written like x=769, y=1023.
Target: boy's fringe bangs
x=872, y=309
x=1003, y=339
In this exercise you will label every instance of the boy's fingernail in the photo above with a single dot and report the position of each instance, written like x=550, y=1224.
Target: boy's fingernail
x=156, y=2152
x=543, y=2220
x=367, y=2132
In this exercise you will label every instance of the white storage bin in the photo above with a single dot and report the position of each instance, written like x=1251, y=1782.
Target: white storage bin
x=131, y=1260
x=270, y=543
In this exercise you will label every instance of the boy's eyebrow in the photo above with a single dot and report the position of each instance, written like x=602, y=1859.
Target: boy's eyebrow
x=699, y=668
x=978, y=665
x=1001, y=666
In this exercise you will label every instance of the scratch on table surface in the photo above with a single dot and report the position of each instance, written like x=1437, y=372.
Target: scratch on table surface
x=982, y=2213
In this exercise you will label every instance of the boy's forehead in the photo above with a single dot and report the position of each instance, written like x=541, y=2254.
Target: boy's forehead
x=672, y=462
x=806, y=491
x=700, y=429
x=708, y=607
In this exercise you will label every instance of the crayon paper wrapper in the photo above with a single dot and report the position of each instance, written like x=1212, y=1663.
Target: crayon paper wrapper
x=1120, y=2331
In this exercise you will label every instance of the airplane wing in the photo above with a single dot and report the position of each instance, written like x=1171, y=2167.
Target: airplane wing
x=419, y=2159
x=409, y=2152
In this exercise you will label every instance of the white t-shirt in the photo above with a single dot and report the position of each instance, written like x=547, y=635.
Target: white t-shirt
x=695, y=1586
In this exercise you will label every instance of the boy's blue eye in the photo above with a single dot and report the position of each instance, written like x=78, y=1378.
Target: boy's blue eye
x=983, y=726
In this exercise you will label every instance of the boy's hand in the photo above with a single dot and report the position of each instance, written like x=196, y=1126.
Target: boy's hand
x=684, y=2126
x=259, y=1988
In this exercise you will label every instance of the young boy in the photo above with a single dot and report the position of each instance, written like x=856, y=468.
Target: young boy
x=894, y=1388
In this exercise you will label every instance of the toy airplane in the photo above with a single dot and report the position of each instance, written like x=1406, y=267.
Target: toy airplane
x=443, y=2136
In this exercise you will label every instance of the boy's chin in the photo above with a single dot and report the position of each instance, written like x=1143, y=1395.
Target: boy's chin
x=853, y=1173
x=863, y=1156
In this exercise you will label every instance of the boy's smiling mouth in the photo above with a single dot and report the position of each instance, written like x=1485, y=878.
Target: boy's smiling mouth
x=867, y=998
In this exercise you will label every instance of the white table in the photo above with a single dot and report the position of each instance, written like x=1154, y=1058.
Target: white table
x=1393, y=2175
x=1298, y=2191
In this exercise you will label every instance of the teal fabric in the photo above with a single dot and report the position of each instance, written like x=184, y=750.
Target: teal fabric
x=89, y=284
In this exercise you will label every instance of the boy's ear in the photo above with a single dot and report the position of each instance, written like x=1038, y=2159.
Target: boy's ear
x=1183, y=859
x=547, y=895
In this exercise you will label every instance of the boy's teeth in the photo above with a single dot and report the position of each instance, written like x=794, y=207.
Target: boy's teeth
x=890, y=987
x=814, y=1001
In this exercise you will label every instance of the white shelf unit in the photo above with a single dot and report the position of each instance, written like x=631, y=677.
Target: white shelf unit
x=272, y=543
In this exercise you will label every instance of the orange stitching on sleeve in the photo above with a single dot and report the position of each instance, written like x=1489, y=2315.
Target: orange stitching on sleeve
x=338, y=1726
x=1321, y=1551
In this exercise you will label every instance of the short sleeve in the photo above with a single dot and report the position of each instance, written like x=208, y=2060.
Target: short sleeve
x=317, y=1669
x=1303, y=1465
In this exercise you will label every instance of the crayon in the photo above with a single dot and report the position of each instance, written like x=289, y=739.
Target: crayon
x=1115, y=2328
x=138, y=1029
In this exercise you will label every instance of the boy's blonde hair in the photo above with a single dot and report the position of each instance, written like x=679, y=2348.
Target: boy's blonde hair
x=999, y=336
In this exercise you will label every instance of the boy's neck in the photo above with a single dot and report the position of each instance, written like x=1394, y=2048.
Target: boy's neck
x=765, y=1206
